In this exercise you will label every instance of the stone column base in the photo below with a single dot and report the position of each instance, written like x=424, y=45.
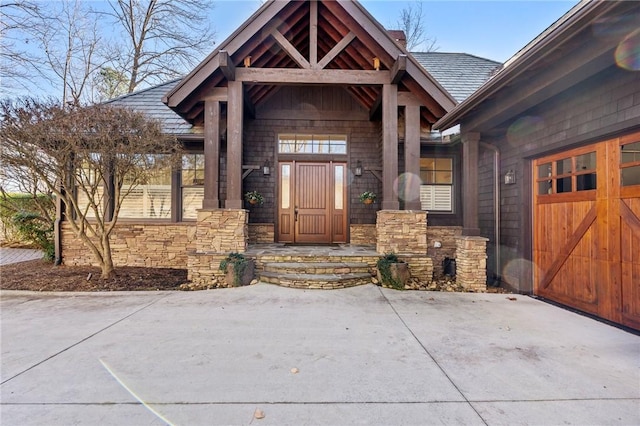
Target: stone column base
x=471, y=263
x=401, y=231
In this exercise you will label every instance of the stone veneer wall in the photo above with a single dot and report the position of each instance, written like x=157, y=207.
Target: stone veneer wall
x=218, y=233
x=471, y=263
x=446, y=235
x=156, y=245
x=401, y=231
x=363, y=234
x=260, y=233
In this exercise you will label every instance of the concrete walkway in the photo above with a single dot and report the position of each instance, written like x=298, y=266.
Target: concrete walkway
x=363, y=355
x=15, y=255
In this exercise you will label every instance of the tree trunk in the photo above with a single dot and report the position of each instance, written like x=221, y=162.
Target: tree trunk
x=108, y=270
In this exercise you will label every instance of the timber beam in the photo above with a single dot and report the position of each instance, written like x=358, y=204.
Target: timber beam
x=309, y=76
x=399, y=69
x=226, y=65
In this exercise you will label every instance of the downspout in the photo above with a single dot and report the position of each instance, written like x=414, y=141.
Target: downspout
x=496, y=206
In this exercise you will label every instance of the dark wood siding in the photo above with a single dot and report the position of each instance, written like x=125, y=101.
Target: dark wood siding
x=318, y=110
x=602, y=106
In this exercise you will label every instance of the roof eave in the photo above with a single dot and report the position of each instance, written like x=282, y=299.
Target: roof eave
x=561, y=29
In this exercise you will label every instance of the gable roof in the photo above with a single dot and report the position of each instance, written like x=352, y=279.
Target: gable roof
x=460, y=74
x=338, y=35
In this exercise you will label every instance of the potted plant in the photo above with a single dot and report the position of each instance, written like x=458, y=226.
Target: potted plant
x=393, y=272
x=254, y=197
x=368, y=197
x=238, y=268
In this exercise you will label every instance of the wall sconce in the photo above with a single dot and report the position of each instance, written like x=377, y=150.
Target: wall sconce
x=376, y=63
x=510, y=178
x=358, y=171
x=266, y=168
x=247, y=62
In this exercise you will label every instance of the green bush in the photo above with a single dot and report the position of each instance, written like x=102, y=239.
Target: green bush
x=23, y=223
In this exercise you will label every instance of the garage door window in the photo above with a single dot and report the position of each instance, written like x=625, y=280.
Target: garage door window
x=570, y=174
x=630, y=164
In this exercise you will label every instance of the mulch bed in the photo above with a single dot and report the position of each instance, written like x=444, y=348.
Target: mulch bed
x=38, y=275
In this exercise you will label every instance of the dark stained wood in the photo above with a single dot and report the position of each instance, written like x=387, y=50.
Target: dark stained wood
x=313, y=33
x=211, y=155
x=470, y=159
x=412, y=155
x=226, y=66
x=342, y=44
x=587, y=59
x=389, y=146
x=235, y=109
x=290, y=50
x=304, y=76
x=399, y=69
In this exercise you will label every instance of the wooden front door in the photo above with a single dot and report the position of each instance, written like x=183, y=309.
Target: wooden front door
x=587, y=229
x=312, y=202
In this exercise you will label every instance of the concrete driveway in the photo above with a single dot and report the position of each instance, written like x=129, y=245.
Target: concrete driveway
x=363, y=355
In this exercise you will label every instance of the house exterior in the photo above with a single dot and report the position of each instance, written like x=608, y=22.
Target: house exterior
x=557, y=184
x=310, y=103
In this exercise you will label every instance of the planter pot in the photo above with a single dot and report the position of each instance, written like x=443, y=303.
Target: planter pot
x=253, y=201
x=246, y=277
x=368, y=201
x=400, y=275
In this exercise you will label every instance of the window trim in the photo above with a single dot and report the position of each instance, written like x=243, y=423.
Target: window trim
x=453, y=185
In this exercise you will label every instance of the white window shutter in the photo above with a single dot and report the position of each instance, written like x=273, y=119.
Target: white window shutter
x=436, y=197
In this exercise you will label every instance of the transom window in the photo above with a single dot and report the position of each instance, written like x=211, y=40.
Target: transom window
x=570, y=174
x=436, y=191
x=312, y=144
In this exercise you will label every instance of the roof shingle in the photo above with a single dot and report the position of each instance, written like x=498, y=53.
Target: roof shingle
x=460, y=74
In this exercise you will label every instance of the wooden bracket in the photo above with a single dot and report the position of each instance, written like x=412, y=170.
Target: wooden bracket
x=248, y=170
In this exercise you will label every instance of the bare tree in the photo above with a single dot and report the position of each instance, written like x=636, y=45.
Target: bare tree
x=164, y=38
x=17, y=19
x=70, y=43
x=411, y=21
x=100, y=153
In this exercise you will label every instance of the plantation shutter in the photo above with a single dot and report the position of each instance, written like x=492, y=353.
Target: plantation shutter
x=436, y=197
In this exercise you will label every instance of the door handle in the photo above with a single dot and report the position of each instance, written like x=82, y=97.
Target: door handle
x=295, y=214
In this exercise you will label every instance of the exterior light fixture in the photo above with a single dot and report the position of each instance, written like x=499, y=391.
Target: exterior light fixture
x=510, y=178
x=376, y=63
x=266, y=168
x=247, y=62
x=358, y=171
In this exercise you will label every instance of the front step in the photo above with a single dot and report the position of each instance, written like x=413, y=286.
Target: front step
x=316, y=275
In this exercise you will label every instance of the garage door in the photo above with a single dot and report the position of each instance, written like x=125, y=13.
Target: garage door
x=587, y=229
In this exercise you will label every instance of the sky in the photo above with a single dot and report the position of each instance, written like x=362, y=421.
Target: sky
x=490, y=29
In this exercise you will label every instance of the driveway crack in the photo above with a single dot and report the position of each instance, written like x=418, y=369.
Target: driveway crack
x=86, y=338
x=424, y=348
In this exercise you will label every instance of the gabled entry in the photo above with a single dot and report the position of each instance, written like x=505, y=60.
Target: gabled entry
x=293, y=48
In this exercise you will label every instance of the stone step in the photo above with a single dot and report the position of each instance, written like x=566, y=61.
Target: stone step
x=316, y=281
x=338, y=268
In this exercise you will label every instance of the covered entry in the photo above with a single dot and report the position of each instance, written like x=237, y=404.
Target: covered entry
x=587, y=228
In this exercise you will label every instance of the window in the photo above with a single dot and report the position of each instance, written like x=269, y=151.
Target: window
x=630, y=164
x=312, y=144
x=151, y=198
x=570, y=174
x=192, y=185
x=436, y=190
